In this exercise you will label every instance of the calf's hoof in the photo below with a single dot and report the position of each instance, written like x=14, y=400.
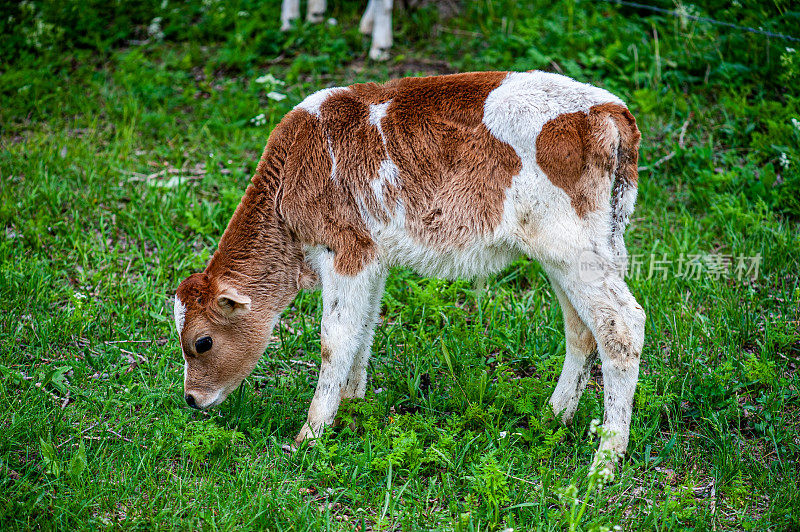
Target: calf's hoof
x=379, y=54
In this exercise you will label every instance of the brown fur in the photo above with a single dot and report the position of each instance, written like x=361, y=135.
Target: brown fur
x=580, y=152
x=454, y=172
x=258, y=258
x=318, y=209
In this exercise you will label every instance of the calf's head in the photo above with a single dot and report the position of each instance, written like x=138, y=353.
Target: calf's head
x=222, y=335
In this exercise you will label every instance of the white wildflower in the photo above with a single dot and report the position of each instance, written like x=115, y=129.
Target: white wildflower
x=269, y=78
x=163, y=4
x=277, y=96
x=332, y=22
x=790, y=50
x=606, y=475
x=796, y=124
x=784, y=160
x=154, y=29
x=259, y=120
x=243, y=14
x=593, y=426
x=211, y=154
x=617, y=528
x=79, y=295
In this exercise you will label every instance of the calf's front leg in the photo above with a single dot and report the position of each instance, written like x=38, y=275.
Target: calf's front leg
x=348, y=320
x=356, y=383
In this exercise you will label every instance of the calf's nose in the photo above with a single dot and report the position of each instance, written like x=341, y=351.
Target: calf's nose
x=190, y=400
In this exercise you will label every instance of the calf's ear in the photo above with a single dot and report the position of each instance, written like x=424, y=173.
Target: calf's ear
x=231, y=302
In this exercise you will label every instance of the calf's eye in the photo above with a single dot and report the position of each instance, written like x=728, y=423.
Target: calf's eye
x=203, y=344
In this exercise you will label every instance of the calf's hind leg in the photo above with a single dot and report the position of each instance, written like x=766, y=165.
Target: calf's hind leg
x=581, y=354
x=617, y=322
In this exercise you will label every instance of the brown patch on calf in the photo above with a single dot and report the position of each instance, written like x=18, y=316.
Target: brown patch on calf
x=561, y=154
x=357, y=147
x=577, y=333
x=325, y=353
x=581, y=152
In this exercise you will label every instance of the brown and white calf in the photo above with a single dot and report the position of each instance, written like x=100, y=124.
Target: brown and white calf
x=453, y=176
x=376, y=21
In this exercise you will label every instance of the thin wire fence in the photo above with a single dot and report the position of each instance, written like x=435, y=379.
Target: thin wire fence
x=682, y=14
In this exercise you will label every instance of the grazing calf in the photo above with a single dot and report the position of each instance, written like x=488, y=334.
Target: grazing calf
x=453, y=176
x=377, y=21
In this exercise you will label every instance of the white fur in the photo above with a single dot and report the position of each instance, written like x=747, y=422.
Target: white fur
x=382, y=32
x=290, y=11
x=313, y=102
x=180, y=315
x=388, y=174
x=316, y=11
x=367, y=23
x=377, y=112
x=333, y=159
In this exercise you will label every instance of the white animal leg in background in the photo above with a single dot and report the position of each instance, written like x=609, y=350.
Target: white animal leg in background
x=347, y=322
x=617, y=322
x=290, y=11
x=356, y=384
x=581, y=354
x=368, y=19
x=316, y=11
x=382, y=31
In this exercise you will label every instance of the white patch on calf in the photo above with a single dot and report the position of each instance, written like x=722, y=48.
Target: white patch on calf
x=376, y=114
x=180, y=315
x=516, y=111
x=388, y=174
x=313, y=103
x=333, y=159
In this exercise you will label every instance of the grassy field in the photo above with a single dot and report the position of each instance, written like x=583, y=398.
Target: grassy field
x=128, y=134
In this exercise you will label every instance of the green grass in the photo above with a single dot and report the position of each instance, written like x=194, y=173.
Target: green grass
x=97, y=235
